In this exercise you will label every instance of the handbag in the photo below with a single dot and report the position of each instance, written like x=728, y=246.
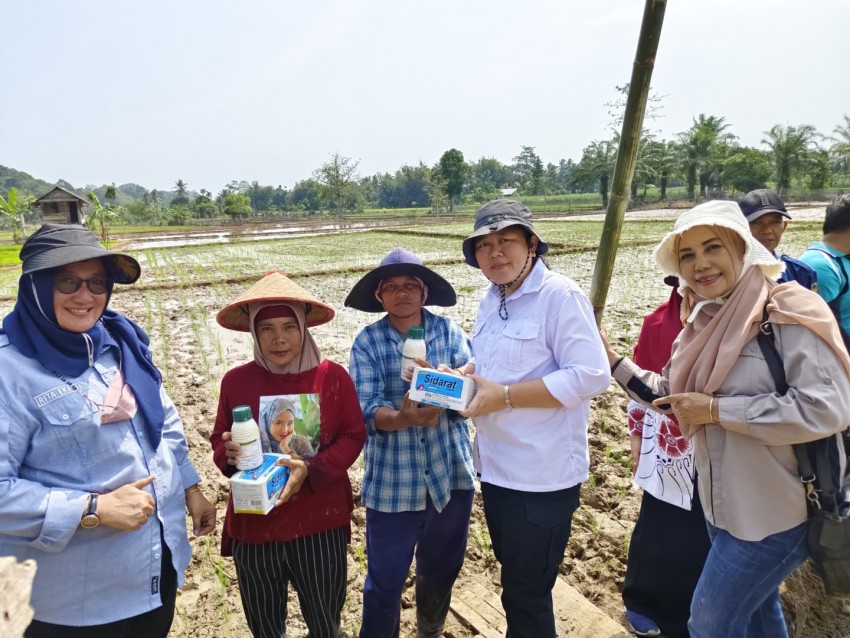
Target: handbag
x=820, y=466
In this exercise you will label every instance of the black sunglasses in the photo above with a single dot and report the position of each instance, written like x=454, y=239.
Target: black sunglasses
x=69, y=284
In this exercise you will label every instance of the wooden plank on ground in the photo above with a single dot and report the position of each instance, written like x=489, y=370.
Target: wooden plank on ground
x=478, y=605
x=15, y=588
x=577, y=617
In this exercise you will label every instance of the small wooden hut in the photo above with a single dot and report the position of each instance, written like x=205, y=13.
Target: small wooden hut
x=61, y=206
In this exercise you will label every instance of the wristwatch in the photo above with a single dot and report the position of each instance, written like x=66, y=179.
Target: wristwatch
x=90, y=518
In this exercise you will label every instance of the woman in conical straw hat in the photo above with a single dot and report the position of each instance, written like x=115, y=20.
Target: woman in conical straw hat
x=721, y=389
x=303, y=539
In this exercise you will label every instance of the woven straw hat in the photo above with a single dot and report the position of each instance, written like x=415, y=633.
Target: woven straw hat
x=275, y=286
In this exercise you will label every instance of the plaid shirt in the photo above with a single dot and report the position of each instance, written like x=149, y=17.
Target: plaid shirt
x=404, y=467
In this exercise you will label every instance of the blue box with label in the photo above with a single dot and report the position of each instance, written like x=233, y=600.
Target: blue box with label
x=256, y=491
x=441, y=388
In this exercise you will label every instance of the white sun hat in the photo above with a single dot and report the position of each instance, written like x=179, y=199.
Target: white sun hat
x=716, y=213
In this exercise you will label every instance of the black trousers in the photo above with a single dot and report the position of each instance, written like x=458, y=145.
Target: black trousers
x=317, y=567
x=152, y=624
x=529, y=532
x=667, y=551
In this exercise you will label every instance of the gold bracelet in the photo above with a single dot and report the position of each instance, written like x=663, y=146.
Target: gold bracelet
x=192, y=489
x=711, y=409
x=506, y=393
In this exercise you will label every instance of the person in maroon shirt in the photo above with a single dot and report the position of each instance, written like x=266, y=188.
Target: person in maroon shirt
x=303, y=539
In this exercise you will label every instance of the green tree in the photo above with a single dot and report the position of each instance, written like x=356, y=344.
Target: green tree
x=528, y=171
x=746, y=169
x=704, y=148
x=111, y=193
x=203, y=206
x=179, y=215
x=237, y=206
x=660, y=160
x=818, y=171
x=487, y=176
x=338, y=187
x=305, y=195
x=101, y=217
x=789, y=151
x=408, y=188
x=840, y=148
x=450, y=175
x=13, y=208
x=181, y=193
x=597, y=163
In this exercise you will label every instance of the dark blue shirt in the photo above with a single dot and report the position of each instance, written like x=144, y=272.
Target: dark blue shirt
x=796, y=270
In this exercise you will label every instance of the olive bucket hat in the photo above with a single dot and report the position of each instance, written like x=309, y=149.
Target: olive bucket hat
x=497, y=215
x=55, y=245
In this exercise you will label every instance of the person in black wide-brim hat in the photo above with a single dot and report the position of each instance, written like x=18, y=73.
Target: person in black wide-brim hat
x=418, y=483
x=96, y=468
x=400, y=263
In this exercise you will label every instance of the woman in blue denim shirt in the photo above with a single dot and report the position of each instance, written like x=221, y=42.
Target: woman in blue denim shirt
x=94, y=465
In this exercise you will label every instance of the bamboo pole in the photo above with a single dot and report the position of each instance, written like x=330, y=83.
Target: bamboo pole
x=650, y=34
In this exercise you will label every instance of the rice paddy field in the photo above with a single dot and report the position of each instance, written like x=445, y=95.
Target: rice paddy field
x=183, y=286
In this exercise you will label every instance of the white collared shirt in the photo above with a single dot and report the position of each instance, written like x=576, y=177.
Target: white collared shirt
x=551, y=334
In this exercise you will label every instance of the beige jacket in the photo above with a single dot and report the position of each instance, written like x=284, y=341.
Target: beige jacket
x=748, y=480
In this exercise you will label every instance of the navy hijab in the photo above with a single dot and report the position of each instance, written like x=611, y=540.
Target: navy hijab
x=32, y=329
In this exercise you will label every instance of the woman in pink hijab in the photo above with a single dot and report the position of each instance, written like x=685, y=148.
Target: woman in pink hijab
x=718, y=385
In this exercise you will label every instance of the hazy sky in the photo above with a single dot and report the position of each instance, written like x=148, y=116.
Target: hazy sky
x=209, y=90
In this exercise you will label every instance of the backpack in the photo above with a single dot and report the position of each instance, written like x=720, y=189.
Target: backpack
x=822, y=466
x=845, y=286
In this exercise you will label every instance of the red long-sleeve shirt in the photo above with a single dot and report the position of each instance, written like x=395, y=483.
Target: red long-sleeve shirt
x=325, y=500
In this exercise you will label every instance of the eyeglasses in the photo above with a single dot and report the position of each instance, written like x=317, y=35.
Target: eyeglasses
x=69, y=284
x=393, y=289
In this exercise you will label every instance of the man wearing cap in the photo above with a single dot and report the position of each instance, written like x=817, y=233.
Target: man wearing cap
x=95, y=476
x=539, y=360
x=765, y=211
x=829, y=258
x=418, y=483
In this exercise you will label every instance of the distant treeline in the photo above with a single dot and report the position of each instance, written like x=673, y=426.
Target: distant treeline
x=703, y=161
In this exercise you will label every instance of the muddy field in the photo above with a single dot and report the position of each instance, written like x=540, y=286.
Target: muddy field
x=193, y=354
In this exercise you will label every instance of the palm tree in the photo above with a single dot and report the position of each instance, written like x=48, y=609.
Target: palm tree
x=597, y=162
x=703, y=148
x=840, y=149
x=789, y=149
x=663, y=159
x=181, y=192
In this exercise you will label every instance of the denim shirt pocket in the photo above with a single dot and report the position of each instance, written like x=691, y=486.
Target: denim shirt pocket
x=70, y=431
x=523, y=344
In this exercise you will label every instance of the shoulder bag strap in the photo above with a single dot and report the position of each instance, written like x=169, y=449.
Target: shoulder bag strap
x=801, y=450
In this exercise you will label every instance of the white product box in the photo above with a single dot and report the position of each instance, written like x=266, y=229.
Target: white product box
x=256, y=491
x=441, y=388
